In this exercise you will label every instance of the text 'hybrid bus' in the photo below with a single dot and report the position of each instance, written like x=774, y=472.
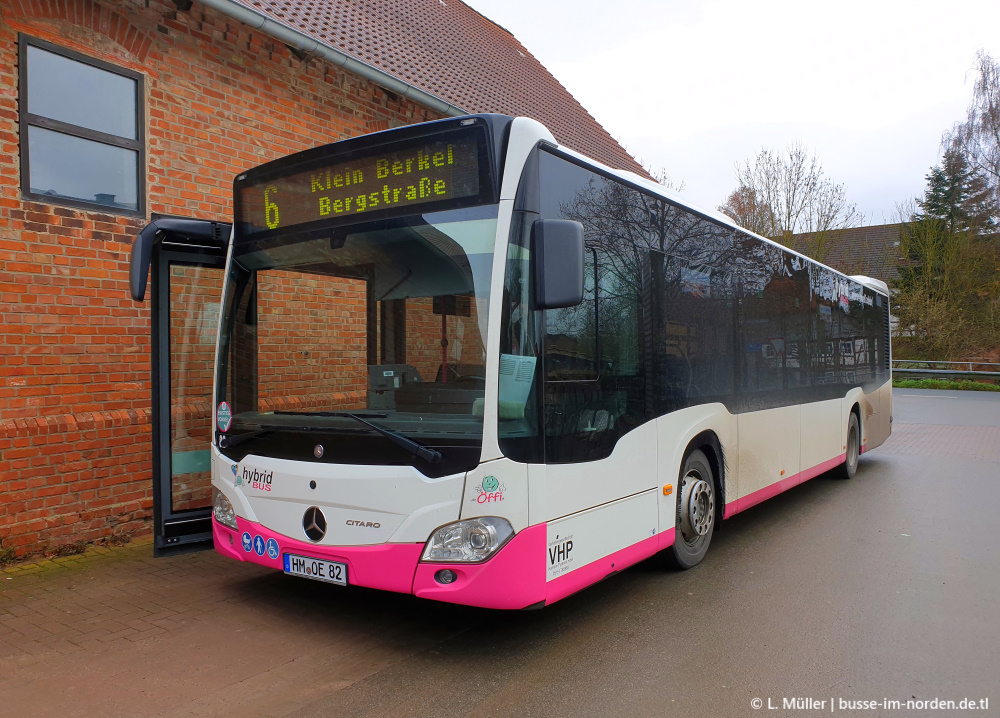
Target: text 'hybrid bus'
x=460, y=361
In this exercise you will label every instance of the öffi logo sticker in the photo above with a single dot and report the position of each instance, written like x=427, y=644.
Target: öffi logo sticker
x=489, y=491
x=223, y=416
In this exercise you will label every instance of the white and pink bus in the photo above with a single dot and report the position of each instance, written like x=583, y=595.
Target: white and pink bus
x=460, y=361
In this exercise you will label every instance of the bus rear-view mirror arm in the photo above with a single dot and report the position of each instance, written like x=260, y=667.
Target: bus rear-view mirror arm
x=142, y=247
x=557, y=257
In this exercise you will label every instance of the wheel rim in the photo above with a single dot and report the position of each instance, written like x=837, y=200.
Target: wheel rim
x=697, y=507
x=852, y=448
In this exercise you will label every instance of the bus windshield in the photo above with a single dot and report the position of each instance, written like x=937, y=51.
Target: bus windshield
x=382, y=320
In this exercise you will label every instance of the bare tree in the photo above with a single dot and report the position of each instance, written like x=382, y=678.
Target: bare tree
x=978, y=137
x=661, y=177
x=785, y=194
x=748, y=211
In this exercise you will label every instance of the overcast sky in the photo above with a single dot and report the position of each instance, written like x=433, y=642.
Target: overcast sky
x=697, y=87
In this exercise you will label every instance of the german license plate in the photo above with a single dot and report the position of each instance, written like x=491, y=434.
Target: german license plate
x=316, y=568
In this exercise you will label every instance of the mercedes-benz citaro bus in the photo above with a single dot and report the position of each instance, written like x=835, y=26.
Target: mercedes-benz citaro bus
x=459, y=360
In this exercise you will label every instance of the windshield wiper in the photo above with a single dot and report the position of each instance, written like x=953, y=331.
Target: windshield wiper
x=430, y=455
x=327, y=413
x=228, y=442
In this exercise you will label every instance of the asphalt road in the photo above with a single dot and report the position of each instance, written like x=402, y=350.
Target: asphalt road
x=883, y=587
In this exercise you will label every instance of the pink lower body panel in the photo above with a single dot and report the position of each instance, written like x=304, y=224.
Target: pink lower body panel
x=734, y=507
x=513, y=579
x=389, y=567
x=570, y=583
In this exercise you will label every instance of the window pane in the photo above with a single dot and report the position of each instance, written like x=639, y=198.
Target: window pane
x=63, y=89
x=75, y=168
x=595, y=375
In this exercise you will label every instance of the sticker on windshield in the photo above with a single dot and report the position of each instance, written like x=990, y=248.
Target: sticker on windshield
x=223, y=416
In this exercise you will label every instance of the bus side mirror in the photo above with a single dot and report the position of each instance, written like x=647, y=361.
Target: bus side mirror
x=557, y=255
x=205, y=233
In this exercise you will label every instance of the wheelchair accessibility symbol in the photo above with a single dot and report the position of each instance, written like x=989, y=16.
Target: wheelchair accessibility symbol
x=272, y=548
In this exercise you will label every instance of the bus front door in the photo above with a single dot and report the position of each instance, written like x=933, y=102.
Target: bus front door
x=185, y=260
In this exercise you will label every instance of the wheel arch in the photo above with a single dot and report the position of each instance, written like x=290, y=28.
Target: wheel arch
x=856, y=410
x=708, y=443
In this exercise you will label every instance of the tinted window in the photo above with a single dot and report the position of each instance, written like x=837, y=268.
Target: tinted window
x=678, y=310
x=693, y=330
x=594, y=359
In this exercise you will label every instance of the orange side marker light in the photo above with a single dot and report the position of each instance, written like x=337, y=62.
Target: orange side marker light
x=668, y=489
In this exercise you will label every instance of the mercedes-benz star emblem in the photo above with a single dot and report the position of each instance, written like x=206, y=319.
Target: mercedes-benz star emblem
x=314, y=523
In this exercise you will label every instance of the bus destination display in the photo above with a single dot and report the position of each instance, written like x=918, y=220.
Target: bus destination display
x=422, y=173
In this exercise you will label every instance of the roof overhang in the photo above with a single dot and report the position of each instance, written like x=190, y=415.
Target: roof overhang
x=311, y=46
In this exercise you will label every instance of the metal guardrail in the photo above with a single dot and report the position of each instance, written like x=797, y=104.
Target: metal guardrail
x=923, y=369
x=927, y=364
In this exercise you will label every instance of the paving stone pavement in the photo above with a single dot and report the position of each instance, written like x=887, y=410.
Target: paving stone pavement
x=116, y=632
x=105, y=595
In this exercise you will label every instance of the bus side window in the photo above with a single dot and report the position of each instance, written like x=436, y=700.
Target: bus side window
x=594, y=376
x=518, y=408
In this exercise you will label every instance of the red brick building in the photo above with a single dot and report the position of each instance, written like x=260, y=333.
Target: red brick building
x=164, y=102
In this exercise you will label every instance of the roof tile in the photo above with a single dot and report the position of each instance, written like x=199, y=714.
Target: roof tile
x=872, y=251
x=449, y=50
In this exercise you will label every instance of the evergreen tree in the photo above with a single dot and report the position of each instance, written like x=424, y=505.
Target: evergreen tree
x=956, y=195
x=947, y=291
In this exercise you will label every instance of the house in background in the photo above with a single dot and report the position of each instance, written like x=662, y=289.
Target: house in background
x=113, y=112
x=872, y=251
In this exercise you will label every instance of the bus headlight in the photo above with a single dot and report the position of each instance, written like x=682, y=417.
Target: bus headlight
x=223, y=510
x=468, y=541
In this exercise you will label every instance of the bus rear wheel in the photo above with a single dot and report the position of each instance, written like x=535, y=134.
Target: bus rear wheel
x=695, y=521
x=850, y=466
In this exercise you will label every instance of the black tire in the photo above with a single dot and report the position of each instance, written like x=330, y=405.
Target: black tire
x=850, y=466
x=694, y=522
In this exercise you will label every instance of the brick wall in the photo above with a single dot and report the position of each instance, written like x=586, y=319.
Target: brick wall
x=325, y=318
x=74, y=349
x=423, y=338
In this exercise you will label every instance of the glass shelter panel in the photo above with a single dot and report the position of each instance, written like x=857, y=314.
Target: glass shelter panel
x=193, y=321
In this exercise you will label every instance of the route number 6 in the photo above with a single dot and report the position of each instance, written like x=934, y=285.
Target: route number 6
x=270, y=208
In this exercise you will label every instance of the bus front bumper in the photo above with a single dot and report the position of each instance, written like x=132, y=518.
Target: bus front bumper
x=513, y=578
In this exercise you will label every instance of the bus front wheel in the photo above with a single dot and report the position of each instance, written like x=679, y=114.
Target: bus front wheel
x=695, y=522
